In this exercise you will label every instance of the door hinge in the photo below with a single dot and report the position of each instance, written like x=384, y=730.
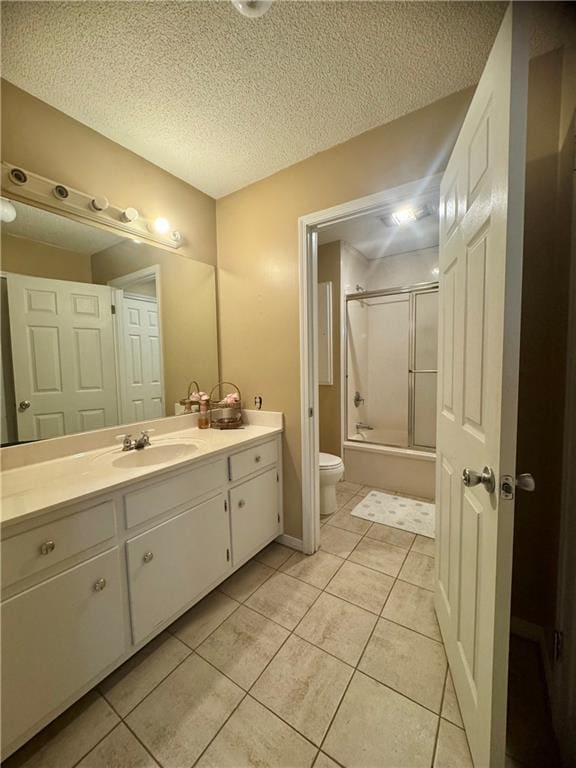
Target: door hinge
x=227, y=555
x=310, y=412
x=225, y=505
x=507, y=485
x=277, y=477
x=558, y=644
x=113, y=309
x=278, y=516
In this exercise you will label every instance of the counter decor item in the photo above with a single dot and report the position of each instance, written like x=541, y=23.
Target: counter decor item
x=192, y=399
x=225, y=406
x=204, y=419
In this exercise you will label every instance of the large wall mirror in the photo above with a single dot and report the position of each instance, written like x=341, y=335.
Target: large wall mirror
x=97, y=328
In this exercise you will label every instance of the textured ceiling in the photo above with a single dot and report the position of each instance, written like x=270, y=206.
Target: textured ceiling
x=53, y=229
x=221, y=100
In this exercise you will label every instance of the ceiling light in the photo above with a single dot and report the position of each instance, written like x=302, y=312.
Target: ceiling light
x=7, y=211
x=160, y=226
x=407, y=214
x=252, y=8
x=404, y=216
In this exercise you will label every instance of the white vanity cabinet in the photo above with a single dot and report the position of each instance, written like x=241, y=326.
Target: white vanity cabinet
x=86, y=586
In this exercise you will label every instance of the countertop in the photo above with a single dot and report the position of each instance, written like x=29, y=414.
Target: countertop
x=38, y=488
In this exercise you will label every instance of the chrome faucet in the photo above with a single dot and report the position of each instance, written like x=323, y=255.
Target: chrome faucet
x=128, y=444
x=358, y=399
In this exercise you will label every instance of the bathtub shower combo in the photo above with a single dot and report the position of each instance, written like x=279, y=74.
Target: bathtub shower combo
x=390, y=388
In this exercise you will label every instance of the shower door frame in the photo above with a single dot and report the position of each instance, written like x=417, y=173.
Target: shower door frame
x=413, y=291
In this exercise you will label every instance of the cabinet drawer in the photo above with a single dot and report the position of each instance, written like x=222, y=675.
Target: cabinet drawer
x=156, y=498
x=249, y=461
x=28, y=553
x=255, y=512
x=175, y=561
x=56, y=637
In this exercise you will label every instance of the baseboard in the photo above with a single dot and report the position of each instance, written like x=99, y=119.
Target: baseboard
x=535, y=632
x=290, y=541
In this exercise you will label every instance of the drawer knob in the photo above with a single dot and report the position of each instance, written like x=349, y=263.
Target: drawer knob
x=47, y=547
x=241, y=503
x=148, y=557
x=257, y=458
x=99, y=585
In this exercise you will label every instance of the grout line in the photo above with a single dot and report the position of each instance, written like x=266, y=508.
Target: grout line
x=439, y=717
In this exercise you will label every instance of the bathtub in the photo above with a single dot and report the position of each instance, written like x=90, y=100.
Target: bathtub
x=403, y=470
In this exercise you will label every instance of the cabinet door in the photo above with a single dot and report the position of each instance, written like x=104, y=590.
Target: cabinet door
x=175, y=561
x=56, y=637
x=255, y=509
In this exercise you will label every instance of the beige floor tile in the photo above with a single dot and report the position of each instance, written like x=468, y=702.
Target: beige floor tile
x=376, y=727
x=323, y=761
x=283, y=599
x=120, y=749
x=180, y=718
x=303, y=685
x=255, y=738
x=342, y=497
x=243, y=645
x=197, y=623
x=344, y=519
x=316, y=569
x=246, y=580
x=410, y=663
x=128, y=685
x=424, y=545
x=413, y=607
x=450, y=706
x=274, y=555
x=68, y=738
x=337, y=627
x=361, y=586
x=383, y=557
x=418, y=569
x=345, y=485
x=452, y=748
x=389, y=535
x=338, y=542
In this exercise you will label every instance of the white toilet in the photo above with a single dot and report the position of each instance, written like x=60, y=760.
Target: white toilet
x=331, y=472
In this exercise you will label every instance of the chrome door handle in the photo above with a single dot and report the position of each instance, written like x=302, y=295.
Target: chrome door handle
x=24, y=405
x=470, y=478
x=525, y=482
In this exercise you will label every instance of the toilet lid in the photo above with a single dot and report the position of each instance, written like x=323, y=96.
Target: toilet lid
x=328, y=461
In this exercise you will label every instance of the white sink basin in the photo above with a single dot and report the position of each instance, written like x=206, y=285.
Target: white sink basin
x=151, y=456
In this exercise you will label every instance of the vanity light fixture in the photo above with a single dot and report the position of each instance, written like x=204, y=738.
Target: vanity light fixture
x=7, y=211
x=175, y=236
x=129, y=214
x=253, y=9
x=160, y=226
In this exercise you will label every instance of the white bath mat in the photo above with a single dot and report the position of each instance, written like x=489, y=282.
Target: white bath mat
x=398, y=512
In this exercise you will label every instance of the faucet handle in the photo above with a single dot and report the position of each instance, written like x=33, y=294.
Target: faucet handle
x=126, y=441
x=121, y=438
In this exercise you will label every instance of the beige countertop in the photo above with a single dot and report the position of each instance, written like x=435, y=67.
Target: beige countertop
x=37, y=488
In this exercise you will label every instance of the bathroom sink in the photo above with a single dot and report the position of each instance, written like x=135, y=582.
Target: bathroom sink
x=151, y=456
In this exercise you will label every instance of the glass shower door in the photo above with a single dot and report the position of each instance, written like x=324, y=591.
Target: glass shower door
x=424, y=368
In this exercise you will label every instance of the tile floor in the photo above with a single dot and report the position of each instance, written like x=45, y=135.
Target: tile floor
x=325, y=661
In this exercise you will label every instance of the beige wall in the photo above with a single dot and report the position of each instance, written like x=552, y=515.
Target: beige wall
x=48, y=142
x=258, y=256
x=550, y=147
x=29, y=257
x=188, y=303
x=329, y=394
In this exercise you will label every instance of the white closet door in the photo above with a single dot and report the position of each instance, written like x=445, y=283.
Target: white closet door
x=143, y=390
x=63, y=356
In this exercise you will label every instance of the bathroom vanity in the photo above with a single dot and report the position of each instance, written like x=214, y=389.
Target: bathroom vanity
x=103, y=549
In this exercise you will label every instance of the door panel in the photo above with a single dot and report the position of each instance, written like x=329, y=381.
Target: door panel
x=255, y=512
x=481, y=230
x=63, y=356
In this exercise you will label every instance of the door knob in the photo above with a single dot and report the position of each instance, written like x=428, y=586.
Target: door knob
x=24, y=405
x=525, y=482
x=470, y=478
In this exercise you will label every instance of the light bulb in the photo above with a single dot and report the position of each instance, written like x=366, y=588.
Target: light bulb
x=7, y=211
x=404, y=216
x=161, y=226
x=252, y=8
x=129, y=214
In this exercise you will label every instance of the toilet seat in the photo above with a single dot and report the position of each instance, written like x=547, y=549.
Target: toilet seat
x=329, y=462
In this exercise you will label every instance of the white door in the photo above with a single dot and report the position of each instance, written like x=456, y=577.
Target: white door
x=63, y=356
x=481, y=232
x=143, y=396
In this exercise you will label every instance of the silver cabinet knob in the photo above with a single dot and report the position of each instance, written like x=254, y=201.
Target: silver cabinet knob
x=470, y=478
x=24, y=405
x=47, y=547
x=257, y=458
x=241, y=503
x=99, y=585
x=148, y=557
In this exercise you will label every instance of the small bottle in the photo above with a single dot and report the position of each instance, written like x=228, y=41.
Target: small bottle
x=204, y=418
